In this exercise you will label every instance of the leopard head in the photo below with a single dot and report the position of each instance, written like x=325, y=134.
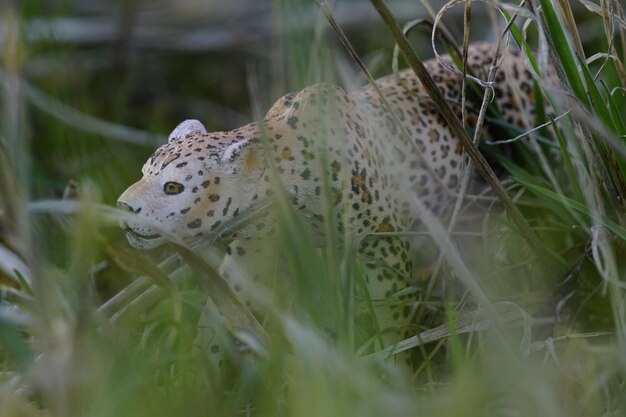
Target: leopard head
x=194, y=183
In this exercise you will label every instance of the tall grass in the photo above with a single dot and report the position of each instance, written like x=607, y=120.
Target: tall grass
x=524, y=315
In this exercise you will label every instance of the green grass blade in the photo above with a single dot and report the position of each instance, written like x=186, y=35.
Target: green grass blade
x=563, y=50
x=616, y=115
x=521, y=175
x=12, y=344
x=581, y=208
x=567, y=161
x=456, y=348
x=136, y=263
x=616, y=169
x=519, y=39
x=598, y=102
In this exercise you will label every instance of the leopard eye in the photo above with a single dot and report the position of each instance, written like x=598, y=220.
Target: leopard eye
x=173, y=188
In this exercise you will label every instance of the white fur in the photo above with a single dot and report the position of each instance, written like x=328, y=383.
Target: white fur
x=188, y=127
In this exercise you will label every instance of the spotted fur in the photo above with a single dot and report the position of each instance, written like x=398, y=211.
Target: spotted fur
x=200, y=180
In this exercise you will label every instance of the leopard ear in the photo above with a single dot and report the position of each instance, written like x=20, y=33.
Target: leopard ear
x=188, y=127
x=243, y=157
x=234, y=151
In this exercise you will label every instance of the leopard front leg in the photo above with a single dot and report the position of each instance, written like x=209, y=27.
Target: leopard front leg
x=248, y=267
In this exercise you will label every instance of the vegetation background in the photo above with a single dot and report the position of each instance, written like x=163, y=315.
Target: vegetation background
x=89, y=88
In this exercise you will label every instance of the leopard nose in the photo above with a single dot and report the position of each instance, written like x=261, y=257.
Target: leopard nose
x=126, y=207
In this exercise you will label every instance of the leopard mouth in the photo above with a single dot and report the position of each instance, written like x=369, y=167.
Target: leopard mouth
x=143, y=241
x=138, y=235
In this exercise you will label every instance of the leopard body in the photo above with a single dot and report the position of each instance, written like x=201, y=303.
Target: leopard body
x=324, y=141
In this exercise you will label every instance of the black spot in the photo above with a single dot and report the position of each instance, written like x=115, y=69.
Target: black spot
x=183, y=211
x=182, y=164
x=206, y=183
x=292, y=122
x=230, y=200
x=214, y=197
x=304, y=141
x=194, y=224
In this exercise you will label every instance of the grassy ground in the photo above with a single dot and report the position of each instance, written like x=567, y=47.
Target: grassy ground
x=505, y=327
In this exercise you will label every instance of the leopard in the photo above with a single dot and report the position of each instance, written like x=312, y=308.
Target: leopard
x=366, y=155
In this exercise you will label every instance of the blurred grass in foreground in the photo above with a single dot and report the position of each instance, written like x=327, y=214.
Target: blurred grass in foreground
x=557, y=350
